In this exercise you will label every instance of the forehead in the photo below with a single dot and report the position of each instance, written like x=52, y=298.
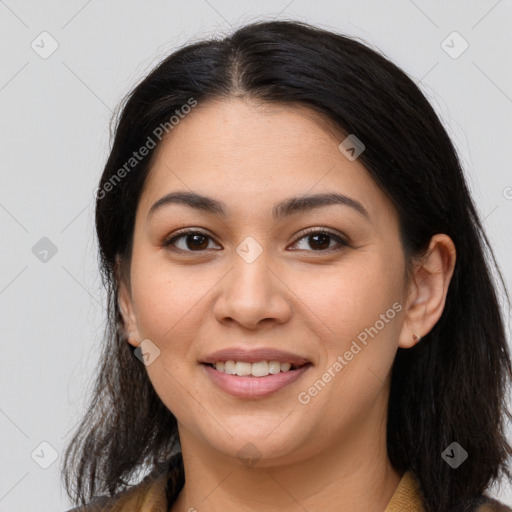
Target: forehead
x=253, y=154
x=233, y=127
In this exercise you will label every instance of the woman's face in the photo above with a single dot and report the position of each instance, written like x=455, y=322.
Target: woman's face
x=255, y=279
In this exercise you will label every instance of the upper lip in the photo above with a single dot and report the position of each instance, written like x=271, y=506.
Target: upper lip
x=254, y=356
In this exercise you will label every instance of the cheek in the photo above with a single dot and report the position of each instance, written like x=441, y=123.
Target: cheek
x=356, y=321
x=357, y=340
x=168, y=309
x=349, y=298
x=165, y=299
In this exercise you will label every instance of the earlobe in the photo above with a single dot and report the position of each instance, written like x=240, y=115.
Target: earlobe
x=125, y=304
x=429, y=288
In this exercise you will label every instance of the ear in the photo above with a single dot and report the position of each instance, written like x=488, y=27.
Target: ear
x=428, y=289
x=126, y=307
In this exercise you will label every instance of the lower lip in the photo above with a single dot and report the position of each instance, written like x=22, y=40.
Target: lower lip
x=254, y=387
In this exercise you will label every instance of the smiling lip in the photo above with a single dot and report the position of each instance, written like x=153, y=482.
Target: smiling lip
x=255, y=356
x=253, y=387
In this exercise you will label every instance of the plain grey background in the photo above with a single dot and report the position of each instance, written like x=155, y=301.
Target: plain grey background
x=56, y=109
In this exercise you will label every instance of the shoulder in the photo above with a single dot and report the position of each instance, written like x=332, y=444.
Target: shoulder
x=99, y=504
x=409, y=496
x=119, y=503
x=149, y=490
x=488, y=504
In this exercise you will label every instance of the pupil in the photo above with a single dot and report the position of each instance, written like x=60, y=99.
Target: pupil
x=196, y=237
x=324, y=240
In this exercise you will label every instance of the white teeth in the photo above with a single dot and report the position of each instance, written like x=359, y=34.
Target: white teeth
x=229, y=367
x=274, y=367
x=259, y=369
x=243, y=368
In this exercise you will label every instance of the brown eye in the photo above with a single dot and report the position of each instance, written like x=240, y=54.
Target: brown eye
x=196, y=241
x=320, y=241
x=189, y=241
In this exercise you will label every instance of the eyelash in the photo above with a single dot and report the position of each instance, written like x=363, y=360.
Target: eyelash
x=311, y=231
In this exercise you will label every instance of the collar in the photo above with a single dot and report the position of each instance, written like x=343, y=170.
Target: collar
x=407, y=495
x=152, y=497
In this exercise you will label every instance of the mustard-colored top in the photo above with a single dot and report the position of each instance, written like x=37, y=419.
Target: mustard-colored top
x=407, y=496
x=151, y=497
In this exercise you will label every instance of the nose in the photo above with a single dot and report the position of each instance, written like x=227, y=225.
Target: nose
x=253, y=294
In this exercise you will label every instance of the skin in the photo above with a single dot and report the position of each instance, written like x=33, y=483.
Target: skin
x=332, y=450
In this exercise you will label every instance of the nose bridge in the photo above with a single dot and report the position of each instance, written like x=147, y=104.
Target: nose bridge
x=252, y=292
x=251, y=276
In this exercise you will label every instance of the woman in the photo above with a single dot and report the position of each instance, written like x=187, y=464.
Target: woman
x=301, y=315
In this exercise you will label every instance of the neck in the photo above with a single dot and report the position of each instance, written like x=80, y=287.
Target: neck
x=355, y=473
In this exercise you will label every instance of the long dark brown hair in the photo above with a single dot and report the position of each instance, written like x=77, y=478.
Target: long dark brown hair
x=450, y=387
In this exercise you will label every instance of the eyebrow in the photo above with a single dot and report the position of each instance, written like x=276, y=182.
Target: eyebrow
x=290, y=206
